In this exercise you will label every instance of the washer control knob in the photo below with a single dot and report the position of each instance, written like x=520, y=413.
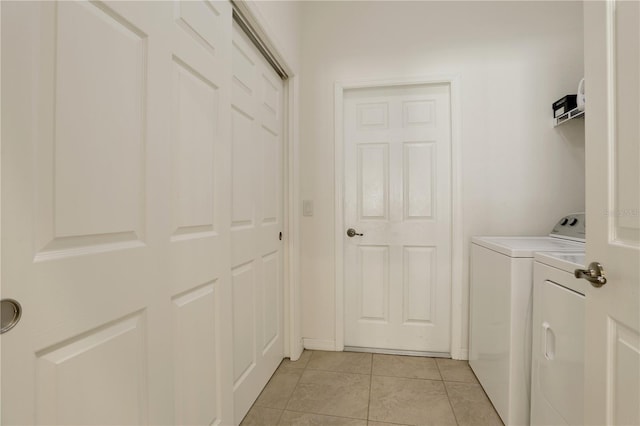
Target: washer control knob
x=573, y=222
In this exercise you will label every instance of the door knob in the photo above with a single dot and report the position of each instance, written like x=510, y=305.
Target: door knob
x=594, y=274
x=352, y=233
x=10, y=313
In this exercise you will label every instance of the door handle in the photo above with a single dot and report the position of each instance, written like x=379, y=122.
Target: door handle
x=549, y=342
x=352, y=233
x=594, y=274
x=10, y=313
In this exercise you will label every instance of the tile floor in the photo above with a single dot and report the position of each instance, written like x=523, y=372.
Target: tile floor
x=361, y=389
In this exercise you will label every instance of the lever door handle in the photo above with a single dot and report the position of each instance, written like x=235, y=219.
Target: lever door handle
x=352, y=233
x=594, y=274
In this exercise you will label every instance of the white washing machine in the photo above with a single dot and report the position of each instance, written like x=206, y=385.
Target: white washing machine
x=557, y=350
x=501, y=287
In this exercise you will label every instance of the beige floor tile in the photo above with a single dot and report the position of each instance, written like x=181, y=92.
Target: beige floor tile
x=331, y=393
x=409, y=401
x=277, y=392
x=412, y=367
x=348, y=362
x=300, y=363
x=292, y=418
x=383, y=424
x=455, y=371
x=471, y=406
x=261, y=416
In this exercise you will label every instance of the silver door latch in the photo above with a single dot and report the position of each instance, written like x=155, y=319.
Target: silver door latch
x=11, y=312
x=352, y=233
x=594, y=274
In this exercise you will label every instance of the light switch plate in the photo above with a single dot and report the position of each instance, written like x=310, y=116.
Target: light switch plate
x=307, y=207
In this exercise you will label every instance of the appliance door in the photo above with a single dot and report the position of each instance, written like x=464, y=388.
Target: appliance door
x=558, y=355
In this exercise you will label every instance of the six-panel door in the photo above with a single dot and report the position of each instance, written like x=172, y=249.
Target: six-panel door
x=256, y=221
x=116, y=146
x=612, y=326
x=398, y=194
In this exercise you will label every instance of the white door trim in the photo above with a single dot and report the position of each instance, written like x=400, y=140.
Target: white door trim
x=291, y=195
x=458, y=347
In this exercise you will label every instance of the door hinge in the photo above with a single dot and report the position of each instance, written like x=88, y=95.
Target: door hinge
x=280, y=236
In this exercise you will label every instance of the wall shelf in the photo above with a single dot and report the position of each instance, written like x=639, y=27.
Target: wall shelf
x=570, y=115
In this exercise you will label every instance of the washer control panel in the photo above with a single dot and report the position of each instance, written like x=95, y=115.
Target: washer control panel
x=571, y=227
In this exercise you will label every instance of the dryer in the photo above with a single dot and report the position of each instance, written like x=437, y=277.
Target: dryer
x=557, y=366
x=501, y=287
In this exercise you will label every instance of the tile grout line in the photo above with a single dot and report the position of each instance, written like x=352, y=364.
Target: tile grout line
x=290, y=395
x=325, y=415
x=455, y=417
x=296, y=386
x=339, y=372
x=280, y=417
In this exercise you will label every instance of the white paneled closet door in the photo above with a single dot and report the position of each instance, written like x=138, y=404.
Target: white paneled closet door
x=115, y=222
x=199, y=185
x=256, y=222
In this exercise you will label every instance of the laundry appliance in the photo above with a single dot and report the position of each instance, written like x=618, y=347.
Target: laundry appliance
x=501, y=287
x=557, y=350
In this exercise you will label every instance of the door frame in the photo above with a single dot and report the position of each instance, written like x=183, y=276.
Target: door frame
x=292, y=318
x=458, y=348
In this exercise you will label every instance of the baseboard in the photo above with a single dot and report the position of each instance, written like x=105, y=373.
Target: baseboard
x=397, y=352
x=330, y=345
x=319, y=344
x=461, y=354
x=296, y=351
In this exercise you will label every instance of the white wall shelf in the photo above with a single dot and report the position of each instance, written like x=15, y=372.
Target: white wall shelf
x=569, y=115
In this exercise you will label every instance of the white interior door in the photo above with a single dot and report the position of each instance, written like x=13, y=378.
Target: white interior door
x=397, y=190
x=197, y=185
x=612, y=341
x=256, y=221
x=115, y=217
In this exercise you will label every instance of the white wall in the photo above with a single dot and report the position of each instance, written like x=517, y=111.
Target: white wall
x=519, y=174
